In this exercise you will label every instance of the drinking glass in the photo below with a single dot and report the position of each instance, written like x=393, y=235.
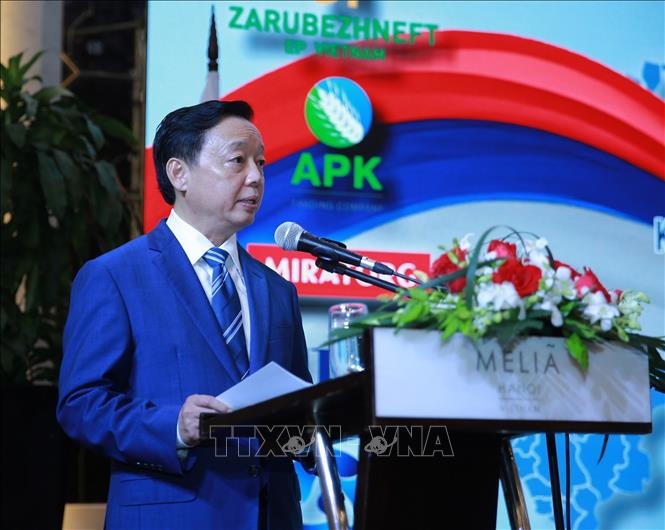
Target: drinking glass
x=345, y=355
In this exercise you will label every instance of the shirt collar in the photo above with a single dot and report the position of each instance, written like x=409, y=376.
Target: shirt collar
x=195, y=244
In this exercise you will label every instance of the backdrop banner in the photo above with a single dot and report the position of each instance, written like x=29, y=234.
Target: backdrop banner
x=399, y=127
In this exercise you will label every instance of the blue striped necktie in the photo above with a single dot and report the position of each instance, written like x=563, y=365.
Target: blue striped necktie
x=226, y=305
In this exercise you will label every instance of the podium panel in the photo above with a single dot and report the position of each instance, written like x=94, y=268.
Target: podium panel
x=535, y=387
x=433, y=422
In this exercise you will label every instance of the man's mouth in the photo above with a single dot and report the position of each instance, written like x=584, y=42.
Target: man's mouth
x=253, y=201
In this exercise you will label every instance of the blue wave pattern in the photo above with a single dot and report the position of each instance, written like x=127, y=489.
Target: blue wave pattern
x=623, y=491
x=432, y=163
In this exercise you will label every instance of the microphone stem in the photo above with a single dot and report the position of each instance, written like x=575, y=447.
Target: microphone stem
x=409, y=278
x=334, y=266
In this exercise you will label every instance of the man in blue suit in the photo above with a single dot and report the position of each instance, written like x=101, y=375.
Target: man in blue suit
x=145, y=350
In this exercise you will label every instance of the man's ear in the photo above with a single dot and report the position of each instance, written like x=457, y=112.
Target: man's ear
x=178, y=172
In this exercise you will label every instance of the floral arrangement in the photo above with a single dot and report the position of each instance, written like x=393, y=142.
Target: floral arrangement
x=513, y=287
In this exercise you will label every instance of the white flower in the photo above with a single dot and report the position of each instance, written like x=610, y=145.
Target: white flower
x=484, y=271
x=557, y=317
x=551, y=304
x=538, y=245
x=630, y=305
x=547, y=278
x=597, y=309
x=499, y=296
x=491, y=255
x=465, y=242
x=557, y=286
x=564, y=284
x=537, y=253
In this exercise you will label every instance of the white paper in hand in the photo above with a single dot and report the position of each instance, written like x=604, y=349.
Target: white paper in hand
x=270, y=381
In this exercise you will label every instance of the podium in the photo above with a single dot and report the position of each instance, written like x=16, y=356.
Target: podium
x=435, y=422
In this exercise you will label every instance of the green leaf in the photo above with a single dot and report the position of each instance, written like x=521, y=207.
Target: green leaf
x=539, y=314
x=581, y=328
x=623, y=336
x=89, y=148
x=72, y=175
x=466, y=327
x=578, y=351
x=16, y=132
x=463, y=312
x=23, y=69
x=418, y=294
x=113, y=205
x=508, y=331
x=116, y=129
x=95, y=133
x=567, y=307
x=451, y=326
x=53, y=184
x=379, y=318
x=51, y=94
x=411, y=312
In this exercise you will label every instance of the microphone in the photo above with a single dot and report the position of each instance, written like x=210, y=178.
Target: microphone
x=292, y=236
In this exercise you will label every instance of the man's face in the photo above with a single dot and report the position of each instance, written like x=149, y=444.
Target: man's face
x=223, y=190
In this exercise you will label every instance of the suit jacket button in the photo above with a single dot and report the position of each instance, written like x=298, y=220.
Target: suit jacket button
x=253, y=471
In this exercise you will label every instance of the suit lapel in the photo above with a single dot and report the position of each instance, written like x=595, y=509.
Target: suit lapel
x=259, y=309
x=172, y=261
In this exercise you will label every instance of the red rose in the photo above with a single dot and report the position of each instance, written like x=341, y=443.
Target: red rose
x=591, y=282
x=503, y=249
x=573, y=273
x=524, y=278
x=444, y=265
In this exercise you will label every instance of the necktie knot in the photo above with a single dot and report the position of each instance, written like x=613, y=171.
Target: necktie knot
x=216, y=257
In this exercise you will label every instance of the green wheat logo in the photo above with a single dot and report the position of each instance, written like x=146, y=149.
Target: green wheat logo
x=338, y=112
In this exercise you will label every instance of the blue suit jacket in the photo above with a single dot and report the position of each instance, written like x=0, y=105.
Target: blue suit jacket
x=141, y=336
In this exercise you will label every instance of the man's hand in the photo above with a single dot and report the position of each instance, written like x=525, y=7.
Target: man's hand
x=188, y=419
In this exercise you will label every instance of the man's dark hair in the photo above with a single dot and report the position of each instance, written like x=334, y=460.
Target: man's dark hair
x=181, y=134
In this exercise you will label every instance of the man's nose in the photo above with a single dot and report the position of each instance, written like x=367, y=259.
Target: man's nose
x=255, y=173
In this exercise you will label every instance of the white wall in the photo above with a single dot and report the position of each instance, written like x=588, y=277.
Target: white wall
x=29, y=27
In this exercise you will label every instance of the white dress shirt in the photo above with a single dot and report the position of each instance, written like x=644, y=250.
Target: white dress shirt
x=195, y=245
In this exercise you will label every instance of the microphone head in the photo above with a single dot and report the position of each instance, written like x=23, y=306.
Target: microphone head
x=287, y=235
